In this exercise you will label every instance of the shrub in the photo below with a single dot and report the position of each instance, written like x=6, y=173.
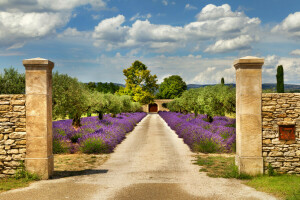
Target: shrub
x=59, y=146
x=94, y=145
x=207, y=146
x=23, y=174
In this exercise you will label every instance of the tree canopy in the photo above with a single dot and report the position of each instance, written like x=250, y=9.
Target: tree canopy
x=140, y=84
x=171, y=88
x=12, y=82
x=103, y=87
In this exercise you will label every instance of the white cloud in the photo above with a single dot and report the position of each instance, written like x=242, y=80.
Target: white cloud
x=73, y=32
x=22, y=21
x=111, y=31
x=230, y=30
x=290, y=25
x=47, y=5
x=190, y=7
x=239, y=43
x=138, y=16
x=110, y=34
x=165, y=2
x=290, y=66
x=295, y=52
x=213, y=75
x=15, y=28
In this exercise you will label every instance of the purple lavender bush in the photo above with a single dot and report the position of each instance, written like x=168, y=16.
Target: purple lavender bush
x=94, y=136
x=200, y=135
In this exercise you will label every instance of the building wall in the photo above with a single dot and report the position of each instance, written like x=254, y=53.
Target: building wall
x=12, y=133
x=159, y=103
x=281, y=109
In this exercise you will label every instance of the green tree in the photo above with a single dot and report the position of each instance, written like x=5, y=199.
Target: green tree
x=70, y=97
x=107, y=87
x=171, y=88
x=140, y=84
x=91, y=85
x=12, y=82
x=222, y=81
x=280, y=79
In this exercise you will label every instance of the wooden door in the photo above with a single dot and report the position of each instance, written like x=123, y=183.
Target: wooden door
x=153, y=107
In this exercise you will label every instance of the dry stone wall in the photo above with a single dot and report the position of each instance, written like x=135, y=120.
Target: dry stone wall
x=281, y=109
x=12, y=133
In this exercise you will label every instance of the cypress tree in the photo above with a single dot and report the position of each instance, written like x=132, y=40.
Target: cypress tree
x=222, y=81
x=279, y=78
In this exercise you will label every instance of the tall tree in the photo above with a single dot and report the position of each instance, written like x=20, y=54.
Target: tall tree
x=280, y=79
x=222, y=81
x=171, y=88
x=140, y=84
x=69, y=98
x=12, y=82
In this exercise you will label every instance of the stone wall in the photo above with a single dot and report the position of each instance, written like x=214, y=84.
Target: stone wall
x=159, y=103
x=12, y=133
x=281, y=109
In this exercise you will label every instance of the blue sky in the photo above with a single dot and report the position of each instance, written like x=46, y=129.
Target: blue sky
x=94, y=40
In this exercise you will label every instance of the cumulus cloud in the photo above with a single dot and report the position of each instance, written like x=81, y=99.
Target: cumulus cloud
x=111, y=34
x=22, y=21
x=290, y=25
x=295, y=52
x=290, y=67
x=15, y=28
x=230, y=30
x=238, y=43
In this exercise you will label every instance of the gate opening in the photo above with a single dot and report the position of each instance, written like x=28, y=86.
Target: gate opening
x=153, y=107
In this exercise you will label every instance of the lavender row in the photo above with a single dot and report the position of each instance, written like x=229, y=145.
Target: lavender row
x=200, y=135
x=94, y=136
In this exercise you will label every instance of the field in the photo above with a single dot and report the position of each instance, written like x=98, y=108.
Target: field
x=94, y=136
x=200, y=135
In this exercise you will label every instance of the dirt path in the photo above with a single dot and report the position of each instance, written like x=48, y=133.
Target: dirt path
x=152, y=163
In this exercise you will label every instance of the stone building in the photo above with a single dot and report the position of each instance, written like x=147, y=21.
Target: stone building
x=156, y=106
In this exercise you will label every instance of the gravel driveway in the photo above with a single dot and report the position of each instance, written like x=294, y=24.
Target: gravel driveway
x=151, y=163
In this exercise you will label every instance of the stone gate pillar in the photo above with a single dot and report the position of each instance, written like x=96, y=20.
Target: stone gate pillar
x=39, y=155
x=248, y=115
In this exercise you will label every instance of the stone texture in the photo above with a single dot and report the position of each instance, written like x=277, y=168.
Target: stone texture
x=39, y=156
x=248, y=115
x=12, y=133
x=283, y=155
x=159, y=103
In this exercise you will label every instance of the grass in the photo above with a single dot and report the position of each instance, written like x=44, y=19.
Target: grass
x=282, y=186
x=22, y=178
x=12, y=183
x=220, y=167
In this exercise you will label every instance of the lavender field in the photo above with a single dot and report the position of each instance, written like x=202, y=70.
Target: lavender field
x=94, y=136
x=202, y=136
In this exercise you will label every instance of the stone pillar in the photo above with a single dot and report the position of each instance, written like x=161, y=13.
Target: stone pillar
x=248, y=115
x=39, y=154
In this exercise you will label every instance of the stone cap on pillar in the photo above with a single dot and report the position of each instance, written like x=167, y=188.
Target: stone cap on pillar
x=249, y=62
x=38, y=62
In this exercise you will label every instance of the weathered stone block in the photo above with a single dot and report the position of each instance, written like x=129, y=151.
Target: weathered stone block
x=7, y=142
x=17, y=102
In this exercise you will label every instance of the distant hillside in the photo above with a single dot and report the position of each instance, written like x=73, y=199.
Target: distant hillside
x=287, y=87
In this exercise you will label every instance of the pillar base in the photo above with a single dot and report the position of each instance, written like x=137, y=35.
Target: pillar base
x=43, y=167
x=250, y=165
